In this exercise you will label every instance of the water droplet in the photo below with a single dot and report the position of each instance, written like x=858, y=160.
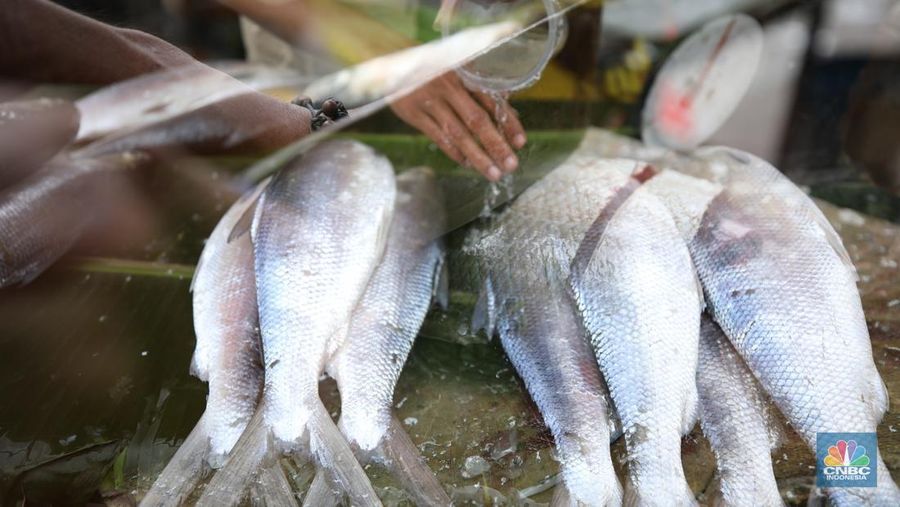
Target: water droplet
x=475, y=466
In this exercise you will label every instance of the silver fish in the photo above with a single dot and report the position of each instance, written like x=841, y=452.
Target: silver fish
x=635, y=287
x=44, y=215
x=526, y=255
x=159, y=96
x=780, y=284
x=735, y=418
x=319, y=230
x=733, y=408
x=381, y=334
x=228, y=355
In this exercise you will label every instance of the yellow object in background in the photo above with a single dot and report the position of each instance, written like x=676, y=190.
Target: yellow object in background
x=625, y=82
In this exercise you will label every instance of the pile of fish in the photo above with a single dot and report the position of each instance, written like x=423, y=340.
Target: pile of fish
x=636, y=291
x=330, y=267
x=653, y=290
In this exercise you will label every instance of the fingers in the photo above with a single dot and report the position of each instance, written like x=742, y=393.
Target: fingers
x=461, y=137
x=434, y=132
x=507, y=118
x=462, y=124
x=479, y=123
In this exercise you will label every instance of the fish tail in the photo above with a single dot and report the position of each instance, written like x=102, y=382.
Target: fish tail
x=884, y=493
x=691, y=410
x=405, y=463
x=684, y=497
x=882, y=399
x=229, y=485
x=272, y=489
x=181, y=475
x=332, y=452
x=561, y=497
x=320, y=492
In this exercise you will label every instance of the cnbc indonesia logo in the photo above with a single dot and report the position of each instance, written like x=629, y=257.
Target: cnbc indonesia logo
x=846, y=459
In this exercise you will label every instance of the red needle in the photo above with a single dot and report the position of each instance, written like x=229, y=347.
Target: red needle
x=688, y=98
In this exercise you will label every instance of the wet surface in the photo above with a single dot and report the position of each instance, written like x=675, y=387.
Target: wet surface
x=96, y=396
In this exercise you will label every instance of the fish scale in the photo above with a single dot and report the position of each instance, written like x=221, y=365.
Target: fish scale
x=314, y=256
x=390, y=313
x=779, y=285
x=383, y=328
x=736, y=421
x=525, y=255
x=640, y=303
x=227, y=355
x=228, y=352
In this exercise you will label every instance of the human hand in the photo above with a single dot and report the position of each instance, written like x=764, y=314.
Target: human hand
x=462, y=124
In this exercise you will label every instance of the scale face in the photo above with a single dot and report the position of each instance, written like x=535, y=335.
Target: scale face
x=668, y=19
x=702, y=83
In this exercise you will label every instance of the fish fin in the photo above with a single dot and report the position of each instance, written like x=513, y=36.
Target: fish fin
x=229, y=485
x=484, y=316
x=272, y=489
x=332, y=452
x=699, y=286
x=195, y=370
x=183, y=472
x=690, y=411
x=817, y=498
x=838, y=245
x=401, y=456
x=197, y=269
x=247, y=222
x=882, y=398
x=445, y=14
x=440, y=291
x=384, y=229
x=832, y=237
x=336, y=344
x=713, y=494
x=561, y=497
x=634, y=498
x=321, y=493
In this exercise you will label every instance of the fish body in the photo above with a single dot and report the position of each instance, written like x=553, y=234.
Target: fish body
x=525, y=256
x=319, y=231
x=247, y=122
x=44, y=215
x=635, y=287
x=382, y=330
x=228, y=352
x=388, y=317
x=158, y=96
x=227, y=355
x=736, y=420
x=779, y=283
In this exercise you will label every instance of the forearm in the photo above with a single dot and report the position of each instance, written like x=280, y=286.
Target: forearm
x=286, y=19
x=41, y=41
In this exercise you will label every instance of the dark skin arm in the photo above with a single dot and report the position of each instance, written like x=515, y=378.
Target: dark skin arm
x=43, y=42
x=469, y=127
